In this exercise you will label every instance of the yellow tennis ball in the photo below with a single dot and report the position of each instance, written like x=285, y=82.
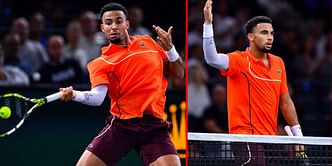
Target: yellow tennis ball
x=5, y=112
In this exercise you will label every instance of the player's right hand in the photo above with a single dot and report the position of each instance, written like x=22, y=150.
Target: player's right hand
x=67, y=93
x=208, y=12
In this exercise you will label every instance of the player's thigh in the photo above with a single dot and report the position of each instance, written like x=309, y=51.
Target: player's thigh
x=89, y=159
x=112, y=143
x=167, y=160
x=158, y=146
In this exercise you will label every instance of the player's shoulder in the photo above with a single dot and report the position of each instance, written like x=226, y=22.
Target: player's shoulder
x=94, y=61
x=237, y=54
x=276, y=58
x=142, y=37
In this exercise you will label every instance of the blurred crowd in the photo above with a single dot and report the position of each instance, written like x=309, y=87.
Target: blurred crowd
x=302, y=39
x=49, y=46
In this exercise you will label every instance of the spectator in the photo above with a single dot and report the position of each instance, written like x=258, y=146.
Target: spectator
x=225, y=27
x=12, y=44
x=37, y=28
x=136, y=17
x=11, y=75
x=196, y=57
x=215, y=116
x=71, y=50
x=32, y=52
x=92, y=40
x=323, y=71
x=59, y=70
x=198, y=97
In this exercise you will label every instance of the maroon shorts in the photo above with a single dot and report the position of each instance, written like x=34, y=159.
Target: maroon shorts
x=249, y=154
x=149, y=136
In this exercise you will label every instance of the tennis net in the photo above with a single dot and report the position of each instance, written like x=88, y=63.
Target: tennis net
x=208, y=149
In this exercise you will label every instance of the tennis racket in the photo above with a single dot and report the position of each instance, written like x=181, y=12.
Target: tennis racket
x=15, y=108
x=300, y=155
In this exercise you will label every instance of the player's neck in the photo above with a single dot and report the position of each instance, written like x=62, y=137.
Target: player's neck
x=123, y=43
x=257, y=53
x=126, y=40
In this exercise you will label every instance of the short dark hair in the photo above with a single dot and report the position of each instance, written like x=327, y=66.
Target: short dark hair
x=249, y=26
x=111, y=7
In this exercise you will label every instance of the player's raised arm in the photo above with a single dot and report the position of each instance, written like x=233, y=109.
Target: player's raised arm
x=175, y=67
x=219, y=61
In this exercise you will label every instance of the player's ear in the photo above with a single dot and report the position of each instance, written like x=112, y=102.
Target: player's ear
x=250, y=36
x=102, y=27
x=127, y=24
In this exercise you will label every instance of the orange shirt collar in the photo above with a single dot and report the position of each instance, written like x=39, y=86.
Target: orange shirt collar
x=255, y=60
x=111, y=48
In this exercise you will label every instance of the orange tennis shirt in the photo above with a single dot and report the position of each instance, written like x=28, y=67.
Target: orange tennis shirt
x=134, y=76
x=253, y=93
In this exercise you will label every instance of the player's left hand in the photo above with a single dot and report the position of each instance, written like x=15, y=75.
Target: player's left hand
x=164, y=38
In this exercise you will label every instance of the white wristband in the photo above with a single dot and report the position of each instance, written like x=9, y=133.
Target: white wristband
x=207, y=30
x=172, y=54
x=296, y=130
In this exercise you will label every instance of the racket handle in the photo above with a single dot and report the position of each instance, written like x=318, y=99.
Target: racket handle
x=53, y=97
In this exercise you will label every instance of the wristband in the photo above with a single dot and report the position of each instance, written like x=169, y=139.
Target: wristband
x=296, y=130
x=172, y=54
x=207, y=30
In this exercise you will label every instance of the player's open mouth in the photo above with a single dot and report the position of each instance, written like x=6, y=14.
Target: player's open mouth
x=114, y=35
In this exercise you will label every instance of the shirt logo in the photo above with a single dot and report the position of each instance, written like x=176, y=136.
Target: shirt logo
x=278, y=71
x=141, y=44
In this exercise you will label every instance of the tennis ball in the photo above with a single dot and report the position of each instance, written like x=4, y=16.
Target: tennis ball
x=5, y=112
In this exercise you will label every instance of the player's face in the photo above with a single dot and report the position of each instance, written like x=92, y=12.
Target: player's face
x=115, y=25
x=262, y=36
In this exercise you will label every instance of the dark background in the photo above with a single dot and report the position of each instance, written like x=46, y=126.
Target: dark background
x=60, y=12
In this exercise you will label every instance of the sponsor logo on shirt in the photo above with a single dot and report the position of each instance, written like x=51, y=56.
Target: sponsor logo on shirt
x=278, y=71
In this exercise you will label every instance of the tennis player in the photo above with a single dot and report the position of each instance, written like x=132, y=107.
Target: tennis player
x=131, y=70
x=256, y=84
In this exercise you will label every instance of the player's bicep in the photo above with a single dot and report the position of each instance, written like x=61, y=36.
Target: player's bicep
x=286, y=103
x=284, y=99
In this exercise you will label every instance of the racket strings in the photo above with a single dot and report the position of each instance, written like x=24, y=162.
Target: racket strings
x=18, y=109
x=17, y=106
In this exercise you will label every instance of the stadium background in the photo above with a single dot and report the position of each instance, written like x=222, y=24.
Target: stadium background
x=58, y=133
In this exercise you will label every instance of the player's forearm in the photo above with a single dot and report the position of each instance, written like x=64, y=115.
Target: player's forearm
x=219, y=61
x=289, y=113
x=175, y=65
x=94, y=97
